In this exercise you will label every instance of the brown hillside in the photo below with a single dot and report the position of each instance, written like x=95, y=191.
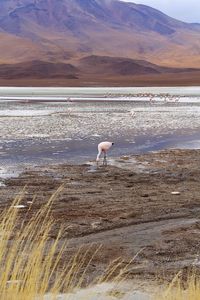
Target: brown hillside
x=76, y=38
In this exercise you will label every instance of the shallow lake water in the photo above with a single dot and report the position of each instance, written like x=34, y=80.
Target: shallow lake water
x=48, y=125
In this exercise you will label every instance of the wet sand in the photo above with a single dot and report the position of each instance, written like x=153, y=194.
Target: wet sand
x=128, y=206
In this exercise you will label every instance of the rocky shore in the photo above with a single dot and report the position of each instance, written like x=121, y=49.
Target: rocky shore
x=146, y=204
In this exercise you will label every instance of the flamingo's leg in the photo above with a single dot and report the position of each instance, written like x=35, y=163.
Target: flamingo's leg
x=104, y=159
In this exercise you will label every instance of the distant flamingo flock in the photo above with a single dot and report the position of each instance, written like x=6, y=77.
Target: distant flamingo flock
x=104, y=147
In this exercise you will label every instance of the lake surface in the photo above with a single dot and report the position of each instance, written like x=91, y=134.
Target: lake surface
x=48, y=125
x=83, y=91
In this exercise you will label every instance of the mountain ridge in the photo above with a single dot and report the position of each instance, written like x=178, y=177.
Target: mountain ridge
x=89, y=66
x=67, y=31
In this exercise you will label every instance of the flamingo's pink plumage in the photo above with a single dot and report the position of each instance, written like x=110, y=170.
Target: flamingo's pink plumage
x=103, y=148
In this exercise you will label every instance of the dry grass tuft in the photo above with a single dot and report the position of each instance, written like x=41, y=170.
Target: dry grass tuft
x=179, y=290
x=30, y=261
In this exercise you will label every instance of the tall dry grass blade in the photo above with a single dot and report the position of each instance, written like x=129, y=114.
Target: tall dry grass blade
x=32, y=263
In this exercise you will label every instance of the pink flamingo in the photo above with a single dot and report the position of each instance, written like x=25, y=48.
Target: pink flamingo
x=103, y=147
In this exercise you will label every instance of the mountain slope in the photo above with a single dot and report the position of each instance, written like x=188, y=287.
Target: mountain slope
x=67, y=30
x=38, y=69
x=87, y=67
x=104, y=65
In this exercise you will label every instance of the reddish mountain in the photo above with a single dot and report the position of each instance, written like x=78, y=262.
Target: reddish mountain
x=66, y=31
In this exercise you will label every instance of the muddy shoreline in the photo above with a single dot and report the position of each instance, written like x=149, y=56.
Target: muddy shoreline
x=148, y=203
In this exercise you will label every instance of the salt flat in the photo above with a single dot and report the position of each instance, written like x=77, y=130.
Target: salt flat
x=58, y=131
